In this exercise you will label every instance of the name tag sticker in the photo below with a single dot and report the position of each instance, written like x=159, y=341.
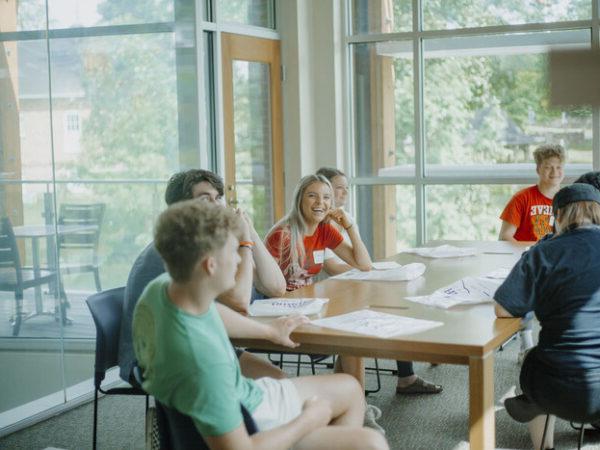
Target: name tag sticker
x=319, y=256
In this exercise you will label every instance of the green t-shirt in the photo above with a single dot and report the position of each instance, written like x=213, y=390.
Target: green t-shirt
x=189, y=363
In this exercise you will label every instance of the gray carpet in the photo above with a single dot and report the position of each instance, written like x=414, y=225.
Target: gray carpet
x=418, y=422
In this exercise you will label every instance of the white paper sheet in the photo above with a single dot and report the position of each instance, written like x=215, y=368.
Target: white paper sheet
x=403, y=273
x=374, y=323
x=273, y=307
x=386, y=265
x=443, y=251
x=468, y=291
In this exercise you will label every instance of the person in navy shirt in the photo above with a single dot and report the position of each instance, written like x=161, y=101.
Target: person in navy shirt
x=559, y=280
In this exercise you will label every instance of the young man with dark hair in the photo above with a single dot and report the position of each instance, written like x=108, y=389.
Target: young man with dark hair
x=181, y=341
x=257, y=264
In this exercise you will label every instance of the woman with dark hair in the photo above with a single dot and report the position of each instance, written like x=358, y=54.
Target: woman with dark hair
x=559, y=280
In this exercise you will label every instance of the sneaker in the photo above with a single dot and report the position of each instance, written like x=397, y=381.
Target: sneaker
x=522, y=409
x=419, y=386
x=372, y=414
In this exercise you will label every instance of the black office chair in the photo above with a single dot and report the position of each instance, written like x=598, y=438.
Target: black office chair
x=178, y=432
x=593, y=419
x=106, y=308
x=83, y=244
x=15, y=278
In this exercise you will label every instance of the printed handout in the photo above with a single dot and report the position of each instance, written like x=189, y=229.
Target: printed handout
x=374, y=323
x=468, y=291
x=273, y=307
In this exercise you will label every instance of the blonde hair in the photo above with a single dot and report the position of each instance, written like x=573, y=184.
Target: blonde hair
x=188, y=231
x=292, y=252
x=544, y=152
x=576, y=214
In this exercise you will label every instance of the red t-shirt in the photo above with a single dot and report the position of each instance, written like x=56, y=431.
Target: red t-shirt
x=531, y=212
x=302, y=273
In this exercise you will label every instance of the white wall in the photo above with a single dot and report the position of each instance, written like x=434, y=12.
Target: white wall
x=312, y=53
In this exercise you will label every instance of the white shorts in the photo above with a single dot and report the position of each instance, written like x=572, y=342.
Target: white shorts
x=281, y=403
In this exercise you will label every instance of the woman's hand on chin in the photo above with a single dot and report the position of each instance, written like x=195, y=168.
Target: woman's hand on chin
x=339, y=216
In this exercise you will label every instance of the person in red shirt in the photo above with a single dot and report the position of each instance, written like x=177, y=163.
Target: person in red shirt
x=528, y=214
x=298, y=242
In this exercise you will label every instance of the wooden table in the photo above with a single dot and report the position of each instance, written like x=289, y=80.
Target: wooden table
x=469, y=336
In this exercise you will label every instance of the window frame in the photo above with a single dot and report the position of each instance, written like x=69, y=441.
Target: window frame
x=419, y=179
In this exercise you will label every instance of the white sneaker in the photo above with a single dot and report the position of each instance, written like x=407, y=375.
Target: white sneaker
x=372, y=413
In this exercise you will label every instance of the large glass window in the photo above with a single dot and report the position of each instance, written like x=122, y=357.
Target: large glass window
x=487, y=100
x=381, y=16
x=98, y=106
x=452, y=105
x=466, y=212
x=384, y=108
x=100, y=102
x=453, y=14
x=260, y=13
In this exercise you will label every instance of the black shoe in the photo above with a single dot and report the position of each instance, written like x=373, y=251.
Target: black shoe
x=522, y=409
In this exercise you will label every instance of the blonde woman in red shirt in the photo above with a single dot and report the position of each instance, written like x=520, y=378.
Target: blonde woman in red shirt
x=298, y=243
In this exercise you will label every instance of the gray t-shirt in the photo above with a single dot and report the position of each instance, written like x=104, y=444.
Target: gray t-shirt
x=146, y=267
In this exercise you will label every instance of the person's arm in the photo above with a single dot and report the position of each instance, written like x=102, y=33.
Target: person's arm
x=268, y=277
x=500, y=311
x=507, y=232
x=334, y=266
x=277, y=331
x=238, y=297
x=316, y=413
x=355, y=254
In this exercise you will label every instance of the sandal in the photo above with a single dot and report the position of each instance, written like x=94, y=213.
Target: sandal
x=420, y=386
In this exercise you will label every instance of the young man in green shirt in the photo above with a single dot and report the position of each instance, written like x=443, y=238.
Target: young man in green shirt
x=181, y=340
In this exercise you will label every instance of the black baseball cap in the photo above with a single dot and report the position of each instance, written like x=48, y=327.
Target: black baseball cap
x=576, y=192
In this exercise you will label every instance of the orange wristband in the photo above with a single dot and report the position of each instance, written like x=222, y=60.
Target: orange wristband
x=247, y=244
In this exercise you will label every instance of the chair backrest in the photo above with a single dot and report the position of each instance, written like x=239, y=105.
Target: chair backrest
x=81, y=214
x=9, y=253
x=106, y=308
x=178, y=432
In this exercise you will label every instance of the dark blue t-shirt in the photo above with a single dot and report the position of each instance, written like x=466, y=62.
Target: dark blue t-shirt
x=559, y=279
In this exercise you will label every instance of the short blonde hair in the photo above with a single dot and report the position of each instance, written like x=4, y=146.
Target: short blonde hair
x=188, y=231
x=544, y=152
x=576, y=214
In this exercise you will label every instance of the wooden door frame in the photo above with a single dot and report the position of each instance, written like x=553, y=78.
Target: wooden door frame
x=247, y=48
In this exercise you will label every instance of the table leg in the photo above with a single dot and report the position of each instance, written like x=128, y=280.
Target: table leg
x=35, y=254
x=482, y=428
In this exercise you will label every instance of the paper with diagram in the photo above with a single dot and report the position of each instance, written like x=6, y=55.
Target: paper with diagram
x=468, y=291
x=374, y=323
